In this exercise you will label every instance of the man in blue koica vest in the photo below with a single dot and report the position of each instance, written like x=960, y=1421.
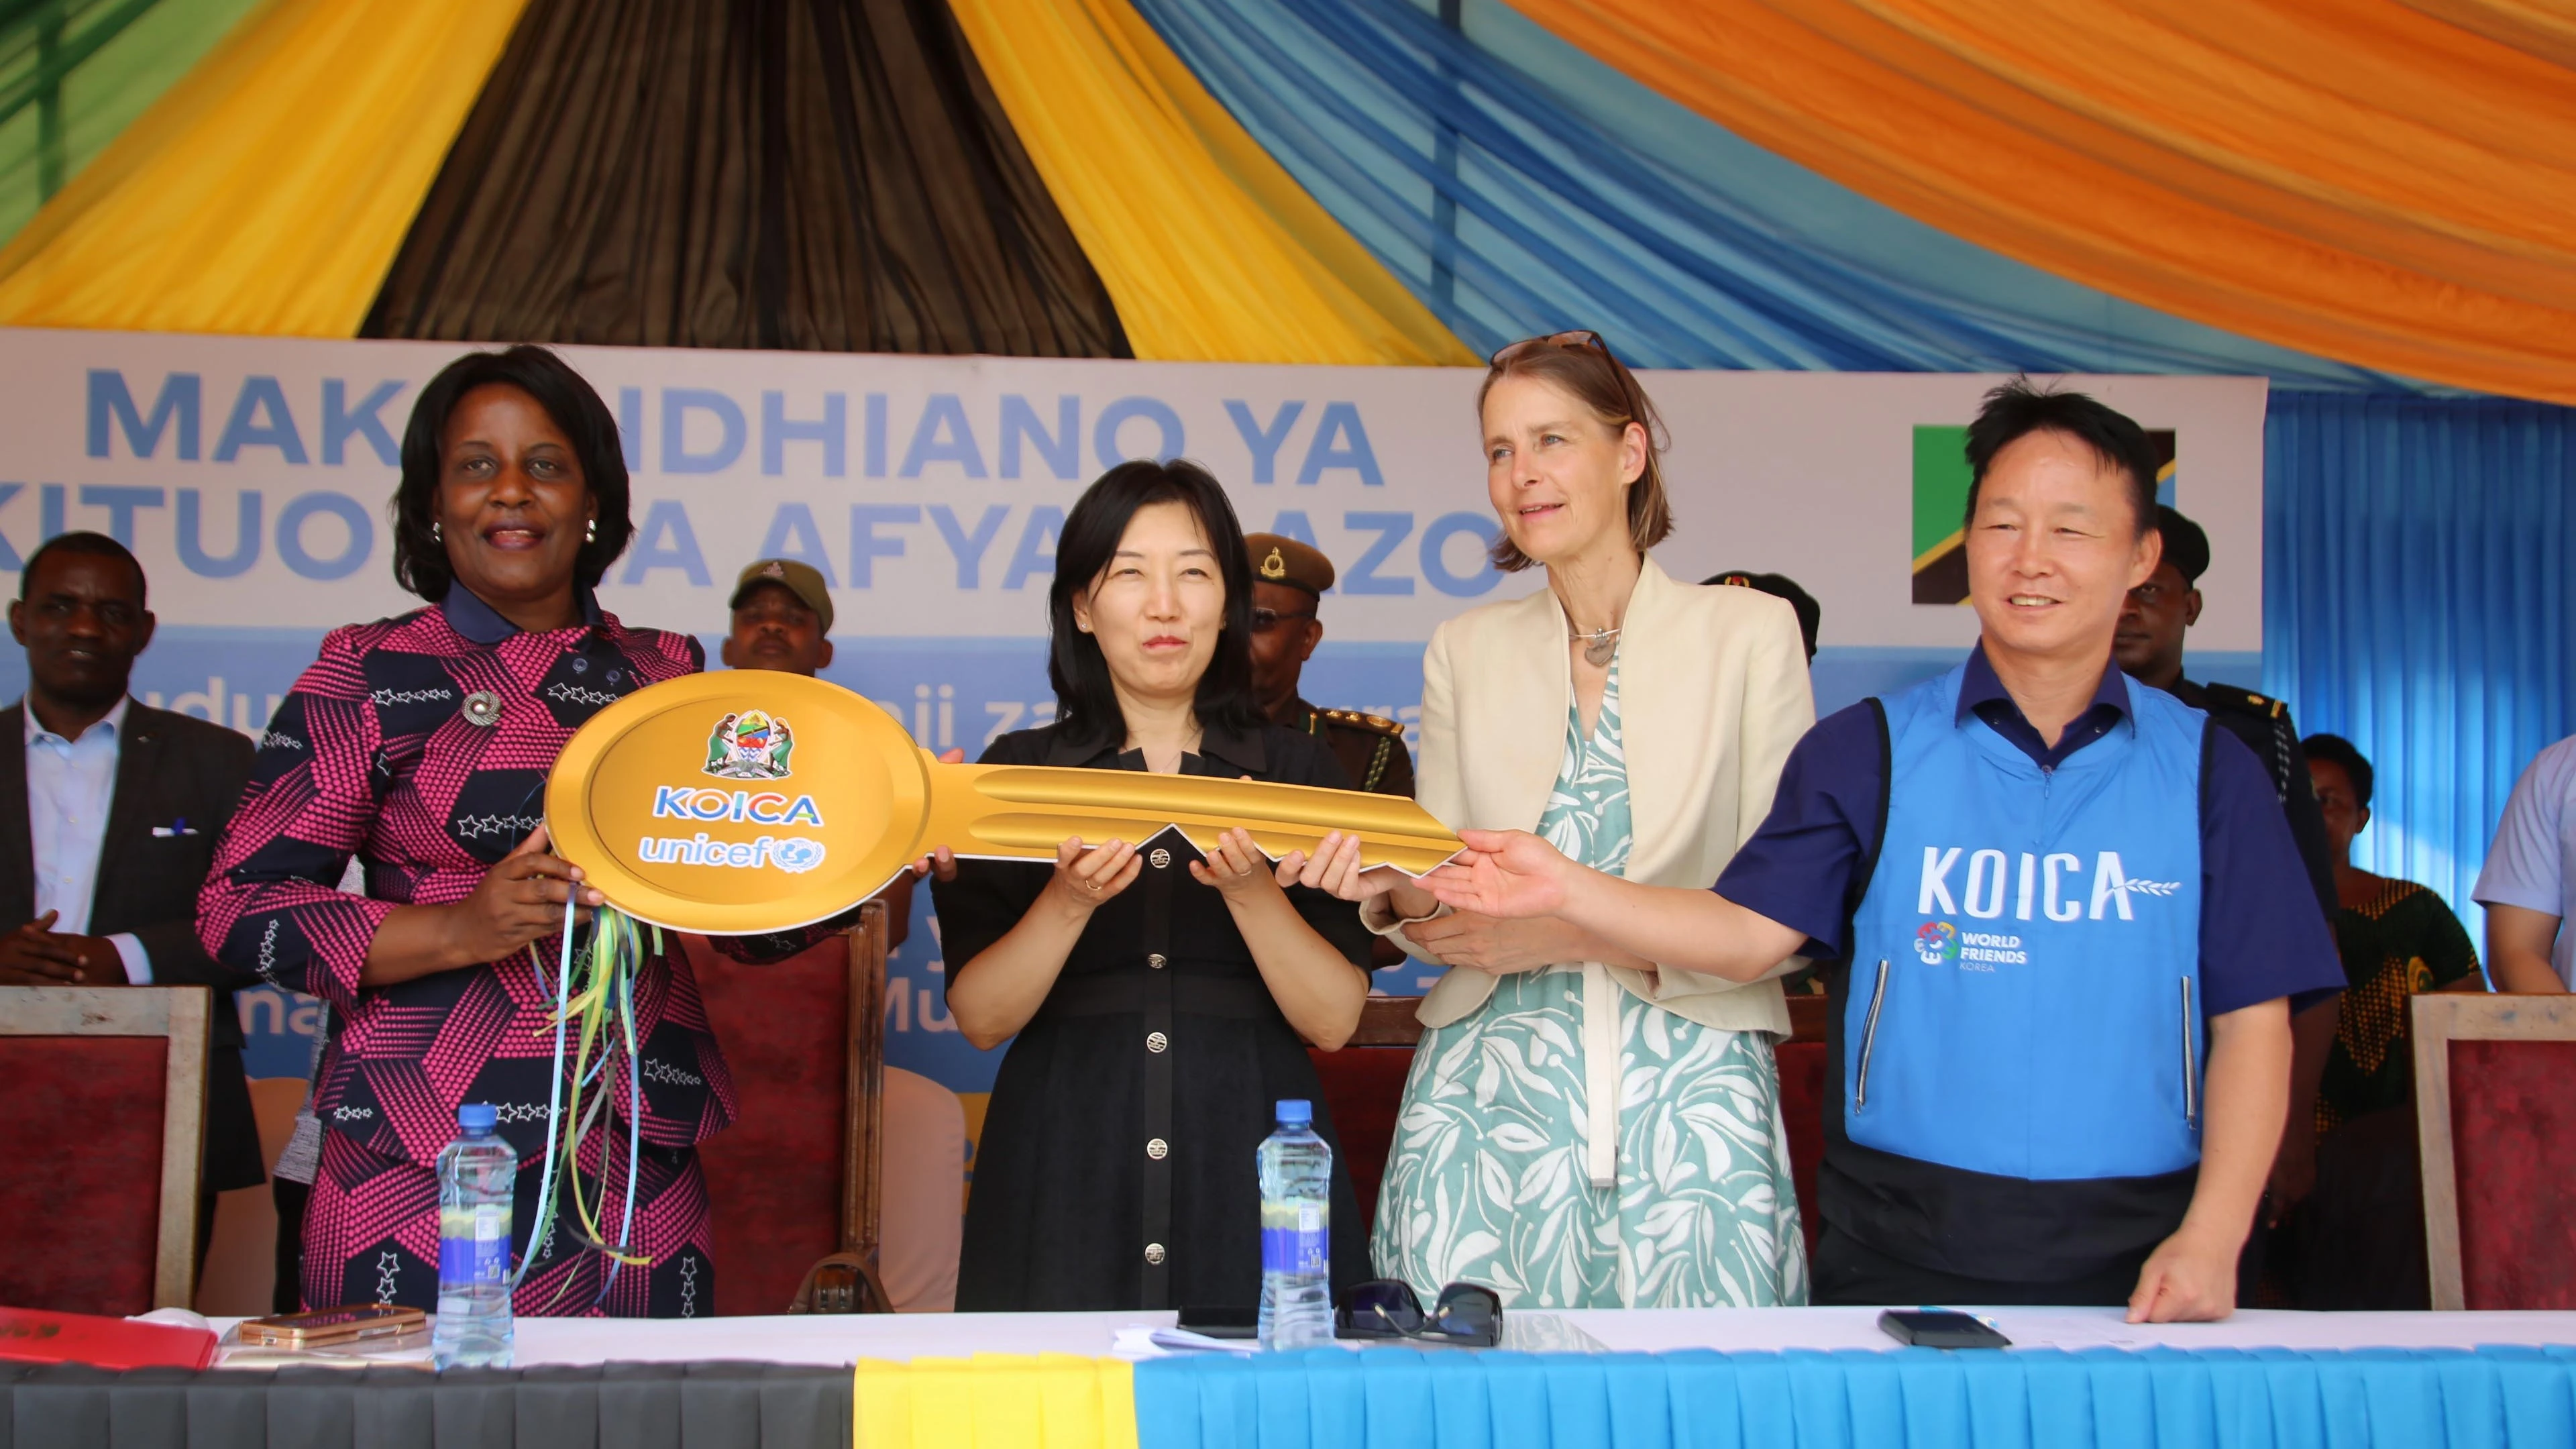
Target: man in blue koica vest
x=2061, y=915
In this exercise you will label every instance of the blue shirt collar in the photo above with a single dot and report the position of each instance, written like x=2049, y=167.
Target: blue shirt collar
x=1983, y=686
x=1982, y=696
x=480, y=623
x=109, y=727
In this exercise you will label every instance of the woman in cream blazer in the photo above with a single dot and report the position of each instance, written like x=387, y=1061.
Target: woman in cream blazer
x=1582, y=1128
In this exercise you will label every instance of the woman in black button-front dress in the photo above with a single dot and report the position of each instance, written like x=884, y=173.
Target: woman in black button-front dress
x=1161, y=1000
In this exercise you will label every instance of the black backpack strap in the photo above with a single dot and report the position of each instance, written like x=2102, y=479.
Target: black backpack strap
x=1839, y=974
x=1868, y=866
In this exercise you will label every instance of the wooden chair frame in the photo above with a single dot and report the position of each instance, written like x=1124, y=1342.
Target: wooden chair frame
x=846, y=1281
x=185, y=1016
x=2441, y=1018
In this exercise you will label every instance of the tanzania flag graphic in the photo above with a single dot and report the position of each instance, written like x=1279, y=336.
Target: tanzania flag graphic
x=1941, y=507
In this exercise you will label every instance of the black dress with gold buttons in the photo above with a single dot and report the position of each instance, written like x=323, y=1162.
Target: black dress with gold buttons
x=1115, y=1169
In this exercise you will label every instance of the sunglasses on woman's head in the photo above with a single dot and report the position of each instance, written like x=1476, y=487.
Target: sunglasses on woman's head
x=1467, y=1314
x=1571, y=341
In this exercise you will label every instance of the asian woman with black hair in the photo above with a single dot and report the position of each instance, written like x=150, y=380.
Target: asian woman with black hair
x=1158, y=1002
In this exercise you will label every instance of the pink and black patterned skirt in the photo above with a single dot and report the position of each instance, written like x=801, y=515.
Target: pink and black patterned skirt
x=371, y=1235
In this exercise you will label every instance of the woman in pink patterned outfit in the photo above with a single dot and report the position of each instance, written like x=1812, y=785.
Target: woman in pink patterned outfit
x=420, y=745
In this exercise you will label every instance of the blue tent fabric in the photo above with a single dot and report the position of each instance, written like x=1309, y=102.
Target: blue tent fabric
x=1404, y=1398
x=2420, y=599
x=1519, y=186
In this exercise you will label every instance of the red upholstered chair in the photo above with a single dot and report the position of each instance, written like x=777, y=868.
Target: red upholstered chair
x=101, y=1141
x=1364, y=1088
x=794, y=1181
x=2498, y=1132
x=1802, y=1103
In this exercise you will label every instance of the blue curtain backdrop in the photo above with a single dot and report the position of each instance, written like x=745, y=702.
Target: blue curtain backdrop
x=2419, y=600
x=1518, y=186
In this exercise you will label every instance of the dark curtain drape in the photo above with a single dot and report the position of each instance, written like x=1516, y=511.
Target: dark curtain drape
x=823, y=175
x=2420, y=599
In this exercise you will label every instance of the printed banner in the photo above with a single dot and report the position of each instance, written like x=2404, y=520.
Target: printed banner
x=253, y=478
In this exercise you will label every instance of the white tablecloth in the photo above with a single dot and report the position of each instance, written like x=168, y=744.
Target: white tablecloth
x=839, y=1339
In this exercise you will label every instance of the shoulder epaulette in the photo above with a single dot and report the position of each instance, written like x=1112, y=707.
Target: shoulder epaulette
x=1379, y=723
x=2245, y=701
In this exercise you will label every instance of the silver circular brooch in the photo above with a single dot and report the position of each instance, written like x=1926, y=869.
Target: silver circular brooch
x=483, y=709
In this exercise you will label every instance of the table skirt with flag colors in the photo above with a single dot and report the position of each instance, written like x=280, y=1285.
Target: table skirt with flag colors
x=1663, y=1379
x=1403, y=1398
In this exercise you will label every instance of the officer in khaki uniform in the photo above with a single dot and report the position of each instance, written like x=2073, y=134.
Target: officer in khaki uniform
x=1288, y=581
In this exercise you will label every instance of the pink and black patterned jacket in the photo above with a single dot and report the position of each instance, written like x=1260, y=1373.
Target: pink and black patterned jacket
x=374, y=754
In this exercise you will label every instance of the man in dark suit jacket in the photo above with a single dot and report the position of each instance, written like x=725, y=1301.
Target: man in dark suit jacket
x=109, y=814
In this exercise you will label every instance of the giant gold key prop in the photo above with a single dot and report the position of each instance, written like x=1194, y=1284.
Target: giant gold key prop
x=750, y=801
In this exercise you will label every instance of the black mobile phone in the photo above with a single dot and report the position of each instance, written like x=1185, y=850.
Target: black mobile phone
x=1221, y=1322
x=1935, y=1328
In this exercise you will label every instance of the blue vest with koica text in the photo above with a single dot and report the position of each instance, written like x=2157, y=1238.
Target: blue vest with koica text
x=2025, y=968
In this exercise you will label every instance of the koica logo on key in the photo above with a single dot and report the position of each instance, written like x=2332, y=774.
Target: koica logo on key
x=761, y=807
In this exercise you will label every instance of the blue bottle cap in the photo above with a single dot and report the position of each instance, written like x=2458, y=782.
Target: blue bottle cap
x=1296, y=1112
x=476, y=1116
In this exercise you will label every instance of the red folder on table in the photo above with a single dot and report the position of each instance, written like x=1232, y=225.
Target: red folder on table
x=32, y=1336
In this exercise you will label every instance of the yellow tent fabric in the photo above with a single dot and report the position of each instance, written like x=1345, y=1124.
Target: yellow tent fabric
x=2363, y=179
x=1210, y=250
x=268, y=191
x=994, y=1401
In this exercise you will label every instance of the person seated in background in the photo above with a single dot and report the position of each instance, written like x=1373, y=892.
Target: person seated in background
x=1811, y=615
x=2360, y=1238
x=2396, y=938
x=121, y=805
x=1288, y=583
x=2529, y=875
x=782, y=620
x=1959, y=851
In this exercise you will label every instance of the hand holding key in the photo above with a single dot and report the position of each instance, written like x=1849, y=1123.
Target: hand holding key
x=681, y=822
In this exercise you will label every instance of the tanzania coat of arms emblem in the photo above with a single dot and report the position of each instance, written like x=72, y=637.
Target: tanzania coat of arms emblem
x=749, y=746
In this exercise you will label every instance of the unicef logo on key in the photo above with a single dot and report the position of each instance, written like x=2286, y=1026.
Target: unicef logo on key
x=1937, y=942
x=796, y=854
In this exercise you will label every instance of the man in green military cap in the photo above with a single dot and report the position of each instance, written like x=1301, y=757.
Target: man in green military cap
x=1288, y=582
x=782, y=619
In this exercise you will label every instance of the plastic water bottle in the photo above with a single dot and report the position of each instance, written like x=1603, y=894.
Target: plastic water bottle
x=1296, y=1232
x=477, y=1174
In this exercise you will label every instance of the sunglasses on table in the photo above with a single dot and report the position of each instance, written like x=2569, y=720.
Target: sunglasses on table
x=1466, y=1314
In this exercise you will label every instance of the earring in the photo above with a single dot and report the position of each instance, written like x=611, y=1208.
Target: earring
x=591, y=533
x=435, y=534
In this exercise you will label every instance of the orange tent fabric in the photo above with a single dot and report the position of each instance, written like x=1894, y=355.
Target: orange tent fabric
x=2390, y=184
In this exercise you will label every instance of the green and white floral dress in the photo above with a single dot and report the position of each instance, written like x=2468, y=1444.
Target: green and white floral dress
x=1489, y=1181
